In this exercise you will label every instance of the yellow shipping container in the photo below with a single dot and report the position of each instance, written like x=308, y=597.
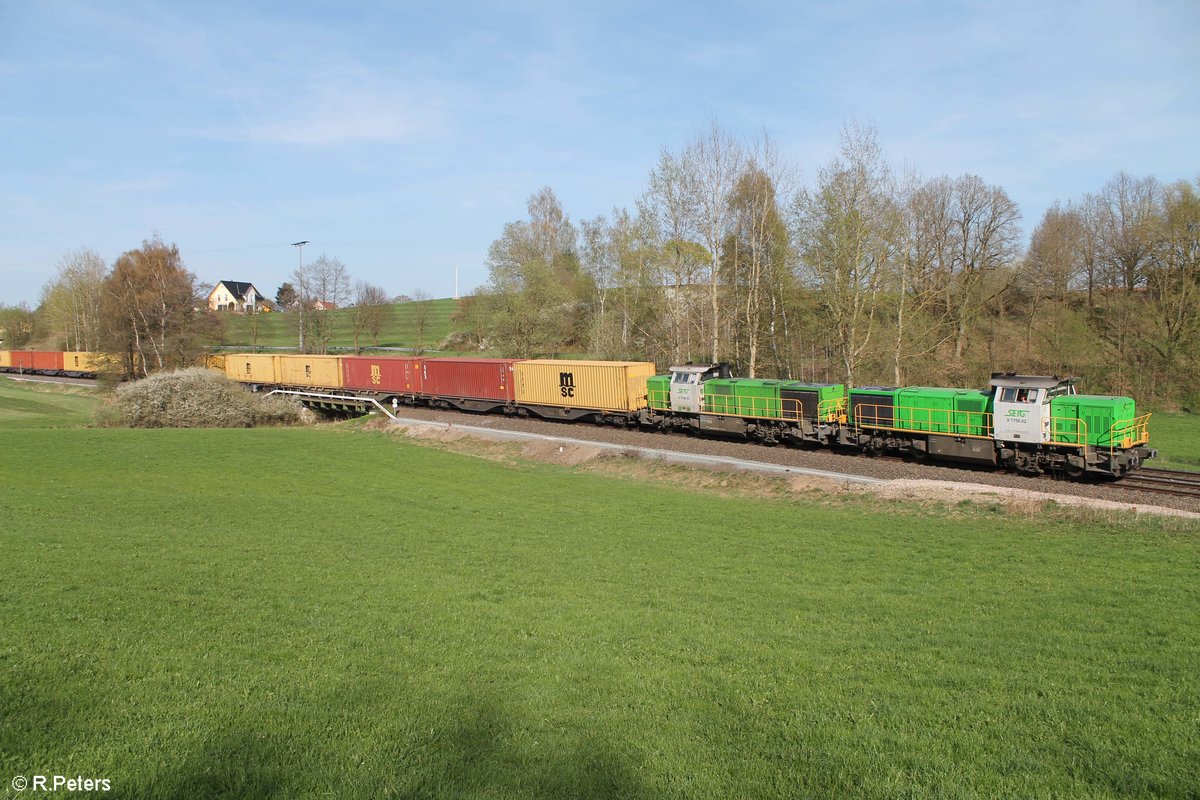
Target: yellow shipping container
x=79, y=361
x=602, y=385
x=5, y=358
x=251, y=368
x=324, y=372
x=216, y=362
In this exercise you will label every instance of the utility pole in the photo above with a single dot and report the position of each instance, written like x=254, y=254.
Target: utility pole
x=303, y=292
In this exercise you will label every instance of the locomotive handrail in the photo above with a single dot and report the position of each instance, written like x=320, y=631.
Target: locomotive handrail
x=976, y=425
x=748, y=407
x=831, y=410
x=1068, y=431
x=1126, y=433
x=723, y=405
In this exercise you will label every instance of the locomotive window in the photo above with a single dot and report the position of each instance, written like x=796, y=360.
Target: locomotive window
x=1008, y=395
x=682, y=377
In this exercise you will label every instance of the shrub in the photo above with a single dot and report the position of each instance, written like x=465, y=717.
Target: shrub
x=195, y=398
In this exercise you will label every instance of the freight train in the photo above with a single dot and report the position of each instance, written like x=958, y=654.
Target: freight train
x=1027, y=423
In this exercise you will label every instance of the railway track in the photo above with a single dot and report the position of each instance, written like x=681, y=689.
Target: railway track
x=1180, y=483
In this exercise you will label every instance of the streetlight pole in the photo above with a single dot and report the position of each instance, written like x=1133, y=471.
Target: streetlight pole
x=300, y=280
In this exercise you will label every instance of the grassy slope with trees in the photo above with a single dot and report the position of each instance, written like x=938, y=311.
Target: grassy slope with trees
x=861, y=276
x=352, y=621
x=420, y=325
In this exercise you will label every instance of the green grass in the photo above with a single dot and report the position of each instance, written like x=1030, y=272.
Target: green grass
x=43, y=405
x=1176, y=436
x=320, y=612
x=279, y=329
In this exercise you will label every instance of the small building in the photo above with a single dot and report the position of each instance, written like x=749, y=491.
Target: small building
x=324, y=305
x=237, y=296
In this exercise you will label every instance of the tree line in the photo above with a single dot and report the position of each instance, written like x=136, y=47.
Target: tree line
x=151, y=310
x=864, y=275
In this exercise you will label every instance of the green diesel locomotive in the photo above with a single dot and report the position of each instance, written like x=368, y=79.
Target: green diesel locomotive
x=1029, y=423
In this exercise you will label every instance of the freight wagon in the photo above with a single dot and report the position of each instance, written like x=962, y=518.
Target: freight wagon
x=607, y=391
x=390, y=378
x=468, y=384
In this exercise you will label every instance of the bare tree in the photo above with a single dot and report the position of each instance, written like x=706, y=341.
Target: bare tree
x=759, y=245
x=372, y=311
x=71, y=301
x=712, y=164
x=422, y=302
x=148, y=308
x=1128, y=215
x=667, y=207
x=320, y=284
x=1174, y=281
x=848, y=231
x=986, y=236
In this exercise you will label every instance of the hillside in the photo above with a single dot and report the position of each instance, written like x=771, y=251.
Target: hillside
x=403, y=330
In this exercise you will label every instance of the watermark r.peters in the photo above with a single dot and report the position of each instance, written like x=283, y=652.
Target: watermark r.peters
x=60, y=783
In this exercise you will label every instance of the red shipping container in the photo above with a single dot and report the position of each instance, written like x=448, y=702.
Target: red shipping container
x=47, y=361
x=22, y=359
x=475, y=378
x=381, y=374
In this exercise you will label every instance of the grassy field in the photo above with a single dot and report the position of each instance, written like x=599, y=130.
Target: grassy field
x=43, y=405
x=327, y=612
x=279, y=329
x=1176, y=436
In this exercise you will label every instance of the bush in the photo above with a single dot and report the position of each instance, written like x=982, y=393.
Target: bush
x=195, y=398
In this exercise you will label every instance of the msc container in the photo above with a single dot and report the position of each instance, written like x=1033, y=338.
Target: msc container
x=958, y=412
x=748, y=397
x=1099, y=420
x=824, y=401
x=251, y=368
x=47, y=360
x=599, y=385
x=5, y=359
x=375, y=374
x=658, y=392
x=76, y=361
x=471, y=378
x=873, y=406
x=322, y=372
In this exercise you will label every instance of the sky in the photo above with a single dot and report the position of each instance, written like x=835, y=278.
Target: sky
x=400, y=137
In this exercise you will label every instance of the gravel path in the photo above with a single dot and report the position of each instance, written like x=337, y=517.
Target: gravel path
x=847, y=462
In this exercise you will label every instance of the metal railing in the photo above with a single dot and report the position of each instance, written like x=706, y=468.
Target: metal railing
x=1127, y=433
x=1070, y=431
x=832, y=410
x=950, y=422
x=659, y=399
x=751, y=407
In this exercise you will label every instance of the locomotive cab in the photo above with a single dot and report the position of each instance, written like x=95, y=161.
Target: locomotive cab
x=687, y=385
x=1021, y=406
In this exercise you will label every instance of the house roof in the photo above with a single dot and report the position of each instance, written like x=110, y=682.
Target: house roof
x=237, y=288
